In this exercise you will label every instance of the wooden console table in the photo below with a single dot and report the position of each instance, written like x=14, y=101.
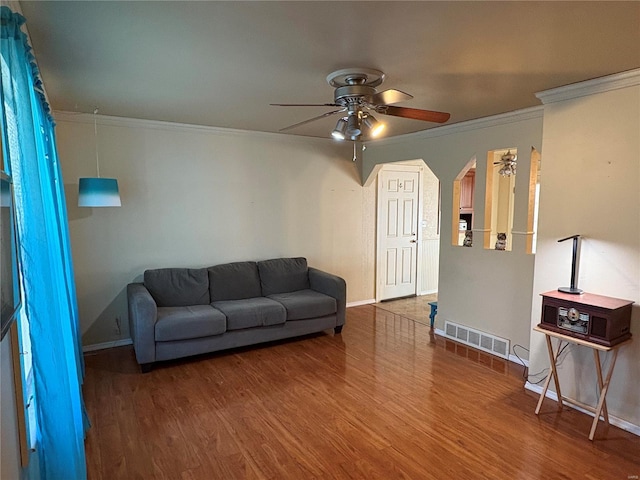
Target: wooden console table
x=603, y=382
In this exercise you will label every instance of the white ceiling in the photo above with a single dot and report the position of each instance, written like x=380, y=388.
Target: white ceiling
x=222, y=63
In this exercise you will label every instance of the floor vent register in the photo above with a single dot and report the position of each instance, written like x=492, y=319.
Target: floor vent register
x=474, y=338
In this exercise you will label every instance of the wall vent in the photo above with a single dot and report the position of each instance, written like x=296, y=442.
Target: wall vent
x=475, y=338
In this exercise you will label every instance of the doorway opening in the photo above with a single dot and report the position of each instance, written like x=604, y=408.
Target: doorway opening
x=408, y=231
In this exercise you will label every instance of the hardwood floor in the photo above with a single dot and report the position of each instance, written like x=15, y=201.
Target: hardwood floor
x=415, y=308
x=386, y=399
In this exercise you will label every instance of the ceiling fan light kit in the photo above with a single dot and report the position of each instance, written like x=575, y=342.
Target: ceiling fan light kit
x=340, y=130
x=355, y=94
x=374, y=126
x=353, y=125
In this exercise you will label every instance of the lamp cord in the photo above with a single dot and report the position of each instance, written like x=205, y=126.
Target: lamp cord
x=95, y=131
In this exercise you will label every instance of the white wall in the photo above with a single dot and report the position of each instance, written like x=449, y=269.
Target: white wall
x=590, y=185
x=194, y=196
x=484, y=289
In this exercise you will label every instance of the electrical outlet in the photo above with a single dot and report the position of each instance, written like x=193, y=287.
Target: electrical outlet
x=117, y=328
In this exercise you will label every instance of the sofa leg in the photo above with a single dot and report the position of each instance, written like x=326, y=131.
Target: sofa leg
x=146, y=367
x=338, y=329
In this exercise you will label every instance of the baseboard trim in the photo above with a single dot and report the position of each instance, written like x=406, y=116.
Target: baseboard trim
x=618, y=422
x=361, y=302
x=105, y=345
x=518, y=360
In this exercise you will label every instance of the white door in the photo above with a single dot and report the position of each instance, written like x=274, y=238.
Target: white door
x=397, y=233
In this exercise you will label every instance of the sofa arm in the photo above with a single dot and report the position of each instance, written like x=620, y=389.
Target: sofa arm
x=333, y=286
x=143, y=314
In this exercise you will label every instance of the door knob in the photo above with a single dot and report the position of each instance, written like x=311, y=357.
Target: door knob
x=412, y=241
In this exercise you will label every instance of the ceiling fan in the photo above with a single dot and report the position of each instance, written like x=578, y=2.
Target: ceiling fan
x=509, y=162
x=356, y=98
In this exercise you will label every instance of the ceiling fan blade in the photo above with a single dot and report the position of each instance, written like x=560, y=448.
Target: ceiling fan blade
x=414, y=113
x=304, y=104
x=387, y=97
x=328, y=114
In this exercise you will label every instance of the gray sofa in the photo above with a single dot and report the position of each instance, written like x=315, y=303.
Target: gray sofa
x=178, y=312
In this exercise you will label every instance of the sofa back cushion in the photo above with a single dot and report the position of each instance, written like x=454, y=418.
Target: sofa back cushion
x=234, y=281
x=282, y=275
x=178, y=287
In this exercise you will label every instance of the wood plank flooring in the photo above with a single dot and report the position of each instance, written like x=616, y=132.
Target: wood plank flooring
x=414, y=308
x=386, y=399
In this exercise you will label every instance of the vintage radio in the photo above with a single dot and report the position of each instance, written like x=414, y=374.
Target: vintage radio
x=595, y=318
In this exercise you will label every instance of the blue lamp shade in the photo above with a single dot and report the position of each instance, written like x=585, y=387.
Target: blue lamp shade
x=98, y=192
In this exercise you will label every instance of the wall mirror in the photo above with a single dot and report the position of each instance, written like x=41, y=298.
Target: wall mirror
x=499, y=201
x=463, y=205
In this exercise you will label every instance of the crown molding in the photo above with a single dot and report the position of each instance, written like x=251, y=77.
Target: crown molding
x=616, y=81
x=475, y=124
x=485, y=122
x=107, y=120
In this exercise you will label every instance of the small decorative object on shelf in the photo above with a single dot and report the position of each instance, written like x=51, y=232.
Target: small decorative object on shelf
x=468, y=238
x=501, y=242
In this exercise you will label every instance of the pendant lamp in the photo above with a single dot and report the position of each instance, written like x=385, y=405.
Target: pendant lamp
x=97, y=191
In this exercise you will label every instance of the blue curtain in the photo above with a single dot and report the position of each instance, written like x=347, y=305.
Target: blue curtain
x=45, y=257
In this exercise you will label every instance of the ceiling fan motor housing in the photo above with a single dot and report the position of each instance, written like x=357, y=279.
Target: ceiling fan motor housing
x=353, y=94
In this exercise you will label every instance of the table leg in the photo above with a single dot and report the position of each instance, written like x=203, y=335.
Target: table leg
x=596, y=357
x=554, y=361
x=603, y=394
x=552, y=374
x=544, y=392
x=433, y=313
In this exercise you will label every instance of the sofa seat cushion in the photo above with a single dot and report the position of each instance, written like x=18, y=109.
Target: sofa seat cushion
x=305, y=304
x=182, y=323
x=251, y=312
x=178, y=287
x=234, y=281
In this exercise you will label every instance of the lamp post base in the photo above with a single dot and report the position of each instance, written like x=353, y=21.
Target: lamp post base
x=571, y=290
